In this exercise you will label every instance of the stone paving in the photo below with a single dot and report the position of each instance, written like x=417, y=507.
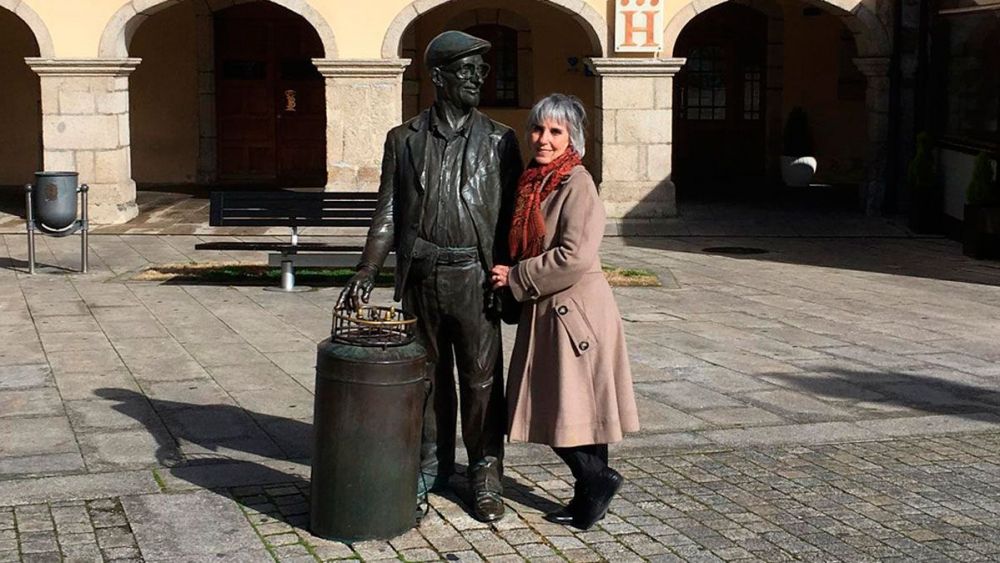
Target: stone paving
x=834, y=398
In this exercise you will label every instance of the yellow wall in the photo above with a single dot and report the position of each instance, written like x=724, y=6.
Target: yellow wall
x=359, y=26
x=554, y=39
x=20, y=113
x=163, y=99
x=811, y=73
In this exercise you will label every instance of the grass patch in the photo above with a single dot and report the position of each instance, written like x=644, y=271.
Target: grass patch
x=630, y=277
x=251, y=274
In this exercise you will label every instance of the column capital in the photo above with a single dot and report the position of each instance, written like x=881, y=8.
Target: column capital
x=637, y=67
x=83, y=67
x=361, y=68
x=873, y=67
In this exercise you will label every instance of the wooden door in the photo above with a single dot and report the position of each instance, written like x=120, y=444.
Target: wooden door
x=719, y=136
x=270, y=99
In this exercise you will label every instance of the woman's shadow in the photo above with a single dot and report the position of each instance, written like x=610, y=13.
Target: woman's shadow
x=240, y=453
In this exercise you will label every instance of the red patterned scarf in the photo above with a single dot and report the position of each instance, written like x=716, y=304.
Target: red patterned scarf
x=527, y=231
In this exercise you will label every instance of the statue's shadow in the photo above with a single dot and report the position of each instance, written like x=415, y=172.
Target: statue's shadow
x=262, y=461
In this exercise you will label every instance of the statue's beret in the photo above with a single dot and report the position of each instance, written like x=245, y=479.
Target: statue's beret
x=451, y=46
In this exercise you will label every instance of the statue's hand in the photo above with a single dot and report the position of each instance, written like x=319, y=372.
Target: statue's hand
x=359, y=288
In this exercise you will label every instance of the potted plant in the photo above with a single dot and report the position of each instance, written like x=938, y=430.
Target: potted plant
x=981, y=225
x=926, y=196
x=797, y=161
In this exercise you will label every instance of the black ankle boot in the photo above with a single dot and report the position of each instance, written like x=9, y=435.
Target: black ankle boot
x=597, y=498
x=566, y=514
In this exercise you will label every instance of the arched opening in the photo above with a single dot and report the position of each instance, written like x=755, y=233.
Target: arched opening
x=20, y=113
x=227, y=97
x=533, y=55
x=749, y=64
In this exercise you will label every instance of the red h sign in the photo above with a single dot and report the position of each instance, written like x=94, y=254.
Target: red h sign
x=639, y=25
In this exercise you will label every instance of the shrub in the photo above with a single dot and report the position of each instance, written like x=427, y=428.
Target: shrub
x=982, y=190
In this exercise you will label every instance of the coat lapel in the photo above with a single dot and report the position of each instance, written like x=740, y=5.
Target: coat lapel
x=417, y=146
x=476, y=149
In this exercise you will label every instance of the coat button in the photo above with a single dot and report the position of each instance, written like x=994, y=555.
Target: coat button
x=562, y=310
x=584, y=345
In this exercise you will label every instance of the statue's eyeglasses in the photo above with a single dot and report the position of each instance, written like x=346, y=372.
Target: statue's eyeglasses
x=465, y=72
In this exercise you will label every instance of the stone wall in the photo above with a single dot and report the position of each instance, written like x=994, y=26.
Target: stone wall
x=85, y=127
x=634, y=132
x=364, y=101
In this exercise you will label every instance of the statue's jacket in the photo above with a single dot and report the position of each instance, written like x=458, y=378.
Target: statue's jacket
x=490, y=171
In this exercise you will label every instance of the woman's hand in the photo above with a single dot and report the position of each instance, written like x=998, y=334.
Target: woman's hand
x=499, y=276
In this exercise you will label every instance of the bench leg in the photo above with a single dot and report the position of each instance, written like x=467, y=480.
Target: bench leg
x=288, y=279
x=287, y=276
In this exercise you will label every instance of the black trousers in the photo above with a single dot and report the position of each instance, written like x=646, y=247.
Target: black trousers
x=584, y=462
x=448, y=298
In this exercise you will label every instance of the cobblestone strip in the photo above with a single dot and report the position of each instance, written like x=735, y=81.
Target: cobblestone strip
x=67, y=531
x=934, y=498
x=910, y=499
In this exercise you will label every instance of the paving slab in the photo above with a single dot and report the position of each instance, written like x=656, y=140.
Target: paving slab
x=36, y=436
x=76, y=487
x=39, y=401
x=192, y=527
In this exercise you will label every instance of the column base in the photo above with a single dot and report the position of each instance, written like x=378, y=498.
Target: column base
x=639, y=200
x=111, y=204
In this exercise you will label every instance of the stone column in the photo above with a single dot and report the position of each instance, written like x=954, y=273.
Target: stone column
x=634, y=130
x=85, y=127
x=364, y=99
x=876, y=70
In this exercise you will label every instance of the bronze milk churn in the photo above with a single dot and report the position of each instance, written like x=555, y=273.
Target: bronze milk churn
x=367, y=426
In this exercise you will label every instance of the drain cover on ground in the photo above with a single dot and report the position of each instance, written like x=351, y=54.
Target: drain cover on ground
x=734, y=250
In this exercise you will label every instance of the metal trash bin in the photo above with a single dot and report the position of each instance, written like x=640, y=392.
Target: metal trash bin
x=367, y=426
x=51, y=209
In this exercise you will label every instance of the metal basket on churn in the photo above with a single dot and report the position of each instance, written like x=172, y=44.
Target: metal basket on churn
x=373, y=326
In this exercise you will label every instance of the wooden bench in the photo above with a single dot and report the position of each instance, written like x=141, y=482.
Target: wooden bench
x=293, y=210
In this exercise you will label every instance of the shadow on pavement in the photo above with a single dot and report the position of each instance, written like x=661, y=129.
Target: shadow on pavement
x=914, y=391
x=937, y=259
x=817, y=225
x=8, y=263
x=217, y=437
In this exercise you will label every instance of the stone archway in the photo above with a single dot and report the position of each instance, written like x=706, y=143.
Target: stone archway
x=175, y=94
x=124, y=23
x=874, y=49
x=590, y=21
x=870, y=34
x=35, y=24
x=22, y=37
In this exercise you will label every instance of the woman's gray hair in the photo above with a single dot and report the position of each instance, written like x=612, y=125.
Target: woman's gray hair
x=564, y=109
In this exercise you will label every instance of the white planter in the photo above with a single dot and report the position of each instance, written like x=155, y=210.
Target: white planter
x=799, y=171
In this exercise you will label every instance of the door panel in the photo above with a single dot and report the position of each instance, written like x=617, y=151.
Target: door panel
x=270, y=99
x=719, y=135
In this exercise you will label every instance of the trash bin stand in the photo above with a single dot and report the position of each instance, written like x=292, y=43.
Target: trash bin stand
x=83, y=224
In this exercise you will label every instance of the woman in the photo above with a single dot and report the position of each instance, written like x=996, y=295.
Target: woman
x=570, y=385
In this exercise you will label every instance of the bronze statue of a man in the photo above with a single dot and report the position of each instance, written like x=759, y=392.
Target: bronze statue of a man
x=445, y=202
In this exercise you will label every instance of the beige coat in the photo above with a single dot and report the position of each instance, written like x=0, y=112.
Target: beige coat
x=570, y=383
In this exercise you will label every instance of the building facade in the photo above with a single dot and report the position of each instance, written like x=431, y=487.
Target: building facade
x=302, y=92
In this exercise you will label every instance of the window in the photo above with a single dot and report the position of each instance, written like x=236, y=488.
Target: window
x=968, y=68
x=704, y=93
x=500, y=88
x=753, y=79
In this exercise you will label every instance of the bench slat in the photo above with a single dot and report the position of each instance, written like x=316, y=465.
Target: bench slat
x=278, y=246
x=292, y=209
x=272, y=222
